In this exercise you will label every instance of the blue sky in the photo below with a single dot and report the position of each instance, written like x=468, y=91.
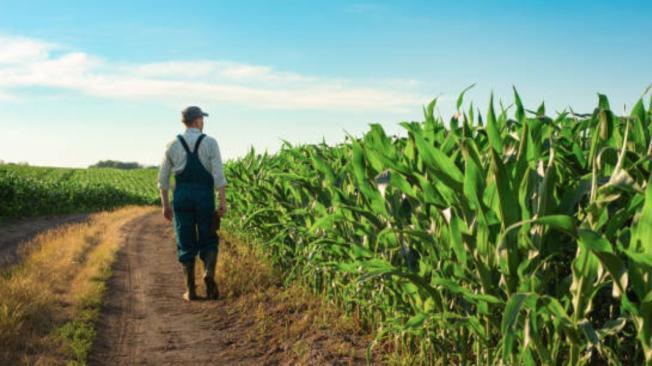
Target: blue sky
x=84, y=81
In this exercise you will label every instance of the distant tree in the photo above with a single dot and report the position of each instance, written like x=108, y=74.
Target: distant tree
x=116, y=164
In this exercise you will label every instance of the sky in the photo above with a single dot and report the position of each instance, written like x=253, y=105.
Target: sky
x=87, y=81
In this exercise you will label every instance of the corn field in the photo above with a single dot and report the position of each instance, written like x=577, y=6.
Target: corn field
x=28, y=191
x=504, y=238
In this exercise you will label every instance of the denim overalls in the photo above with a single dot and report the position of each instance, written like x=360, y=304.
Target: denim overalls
x=194, y=204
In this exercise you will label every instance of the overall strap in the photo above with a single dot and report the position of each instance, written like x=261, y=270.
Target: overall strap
x=196, y=151
x=183, y=143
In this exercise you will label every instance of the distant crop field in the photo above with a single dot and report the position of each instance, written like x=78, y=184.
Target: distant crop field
x=29, y=191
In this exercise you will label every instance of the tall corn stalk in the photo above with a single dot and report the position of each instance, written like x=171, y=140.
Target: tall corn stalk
x=493, y=240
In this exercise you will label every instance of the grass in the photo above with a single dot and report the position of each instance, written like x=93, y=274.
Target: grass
x=50, y=302
x=302, y=326
x=297, y=307
x=234, y=256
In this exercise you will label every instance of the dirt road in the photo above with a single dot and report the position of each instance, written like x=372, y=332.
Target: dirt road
x=145, y=321
x=14, y=234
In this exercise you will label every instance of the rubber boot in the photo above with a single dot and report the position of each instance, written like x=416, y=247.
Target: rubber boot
x=210, y=260
x=189, y=273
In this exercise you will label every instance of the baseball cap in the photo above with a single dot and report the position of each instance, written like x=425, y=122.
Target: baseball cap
x=192, y=112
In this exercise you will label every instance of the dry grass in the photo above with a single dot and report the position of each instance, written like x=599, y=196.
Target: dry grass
x=242, y=269
x=49, y=302
x=299, y=326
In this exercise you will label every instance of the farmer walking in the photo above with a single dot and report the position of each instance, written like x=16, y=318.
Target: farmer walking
x=195, y=160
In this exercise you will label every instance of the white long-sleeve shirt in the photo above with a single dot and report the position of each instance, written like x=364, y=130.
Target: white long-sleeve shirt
x=174, y=159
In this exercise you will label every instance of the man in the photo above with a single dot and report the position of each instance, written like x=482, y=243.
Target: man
x=197, y=164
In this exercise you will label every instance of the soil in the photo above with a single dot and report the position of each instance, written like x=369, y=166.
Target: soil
x=145, y=321
x=16, y=235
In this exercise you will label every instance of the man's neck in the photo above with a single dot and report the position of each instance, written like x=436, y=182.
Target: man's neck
x=193, y=129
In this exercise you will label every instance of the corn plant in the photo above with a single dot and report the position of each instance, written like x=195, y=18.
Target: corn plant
x=504, y=238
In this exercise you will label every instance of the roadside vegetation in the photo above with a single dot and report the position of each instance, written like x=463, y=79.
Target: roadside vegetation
x=297, y=325
x=49, y=303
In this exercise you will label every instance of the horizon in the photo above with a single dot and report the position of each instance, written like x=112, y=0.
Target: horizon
x=497, y=103
x=91, y=82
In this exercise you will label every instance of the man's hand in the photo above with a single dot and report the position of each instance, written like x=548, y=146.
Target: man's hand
x=165, y=202
x=167, y=212
x=221, y=210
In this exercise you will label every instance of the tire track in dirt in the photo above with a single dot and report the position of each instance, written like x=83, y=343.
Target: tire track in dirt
x=144, y=320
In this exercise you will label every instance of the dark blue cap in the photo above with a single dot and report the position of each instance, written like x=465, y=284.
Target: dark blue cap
x=191, y=113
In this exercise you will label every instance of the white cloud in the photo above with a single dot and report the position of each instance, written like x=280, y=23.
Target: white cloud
x=239, y=71
x=32, y=63
x=18, y=49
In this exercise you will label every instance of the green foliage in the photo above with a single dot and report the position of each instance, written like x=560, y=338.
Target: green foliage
x=78, y=336
x=28, y=191
x=116, y=164
x=520, y=241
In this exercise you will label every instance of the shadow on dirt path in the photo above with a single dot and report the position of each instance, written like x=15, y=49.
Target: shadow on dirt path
x=14, y=235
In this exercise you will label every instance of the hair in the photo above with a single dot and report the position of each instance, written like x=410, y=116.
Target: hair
x=188, y=122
